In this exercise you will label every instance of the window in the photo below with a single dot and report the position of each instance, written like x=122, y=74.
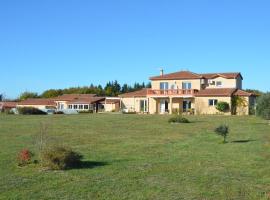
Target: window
x=86, y=107
x=186, y=85
x=69, y=106
x=212, y=102
x=143, y=105
x=164, y=85
x=75, y=106
x=218, y=83
x=80, y=107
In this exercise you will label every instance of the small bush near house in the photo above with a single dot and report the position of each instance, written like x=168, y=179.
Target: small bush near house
x=263, y=106
x=178, y=119
x=222, y=130
x=85, y=111
x=222, y=106
x=30, y=111
x=175, y=111
x=60, y=158
x=8, y=112
x=24, y=157
x=58, y=112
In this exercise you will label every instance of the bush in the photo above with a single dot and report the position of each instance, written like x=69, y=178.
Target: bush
x=59, y=112
x=85, y=111
x=30, y=111
x=178, y=119
x=222, y=106
x=222, y=130
x=263, y=106
x=24, y=157
x=60, y=158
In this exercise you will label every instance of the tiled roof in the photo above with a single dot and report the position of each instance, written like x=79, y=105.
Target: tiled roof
x=37, y=101
x=88, y=100
x=243, y=93
x=182, y=75
x=231, y=75
x=216, y=92
x=138, y=93
x=177, y=75
x=8, y=104
x=70, y=97
x=111, y=101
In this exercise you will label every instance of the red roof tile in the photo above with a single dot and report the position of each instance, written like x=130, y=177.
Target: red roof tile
x=177, y=75
x=216, y=92
x=8, y=104
x=138, y=93
x=70, y=97
x=182, y=75
x=43, y=102
x=243, y=93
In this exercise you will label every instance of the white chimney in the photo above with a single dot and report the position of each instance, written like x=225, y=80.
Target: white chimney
x=161, y=72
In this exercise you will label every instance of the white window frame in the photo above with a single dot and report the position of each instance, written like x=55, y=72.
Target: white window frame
x=214, y=102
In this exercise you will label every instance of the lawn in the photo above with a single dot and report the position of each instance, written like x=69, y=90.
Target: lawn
x=140, y=157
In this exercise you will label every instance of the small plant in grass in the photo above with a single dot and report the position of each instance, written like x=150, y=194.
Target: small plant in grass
x=222, y=130
x=178, y=119
x=24, y=157
x=60, y=158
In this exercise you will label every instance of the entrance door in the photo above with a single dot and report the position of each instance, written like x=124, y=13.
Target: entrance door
x=164, y=106
x=186, y=105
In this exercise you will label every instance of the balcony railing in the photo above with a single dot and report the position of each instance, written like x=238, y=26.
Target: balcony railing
x=172, y=92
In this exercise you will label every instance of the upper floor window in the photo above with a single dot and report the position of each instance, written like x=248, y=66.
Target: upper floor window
x=186, y=85
x=218, y=83
x=212, y=102
x=164, y=85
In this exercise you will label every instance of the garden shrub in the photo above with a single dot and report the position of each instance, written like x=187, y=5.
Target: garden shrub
x=178, y=119
x=85, y=111
x=24, y=157
x=263, y=106
x=60, y=158
x=59, y=112
x=30, y=111
x=222, y=106
x=222, y=130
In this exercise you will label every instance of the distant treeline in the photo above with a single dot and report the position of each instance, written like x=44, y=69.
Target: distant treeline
x=112, y=88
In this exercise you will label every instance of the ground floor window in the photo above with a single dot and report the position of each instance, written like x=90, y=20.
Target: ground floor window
x=186, y=105
x=86, y=107
x=212, y=102
x=143, y=105
x=69, y=106
x=75, y=106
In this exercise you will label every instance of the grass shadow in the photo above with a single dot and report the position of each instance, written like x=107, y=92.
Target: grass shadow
x=90, y=165
x=242, y=141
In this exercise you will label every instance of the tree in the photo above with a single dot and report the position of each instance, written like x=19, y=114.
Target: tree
x=240, y=103
x=51, y=93
x=257, y=92
x=222, y=130
x=1, y=97
x=263, y=106
x=27, y=95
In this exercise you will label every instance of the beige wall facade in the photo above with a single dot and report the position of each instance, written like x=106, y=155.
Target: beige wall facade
x=226, y=83
x=202, y=105
x=177, y=84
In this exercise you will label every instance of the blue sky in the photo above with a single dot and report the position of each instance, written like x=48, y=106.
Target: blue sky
x=61, y=43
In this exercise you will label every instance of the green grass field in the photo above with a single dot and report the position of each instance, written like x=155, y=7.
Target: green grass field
x=140, y=157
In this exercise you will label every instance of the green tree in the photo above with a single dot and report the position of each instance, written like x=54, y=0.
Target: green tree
x=27, y=95
x=263, y=106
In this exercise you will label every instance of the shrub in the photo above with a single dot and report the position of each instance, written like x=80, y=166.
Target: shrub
x=85, y=111
x=59, y=112
x=178, y=119
x=263, y=106
x=30, y=111
x=222, y=130
x=222, y=106
x=24, y=157
x=60, y=158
